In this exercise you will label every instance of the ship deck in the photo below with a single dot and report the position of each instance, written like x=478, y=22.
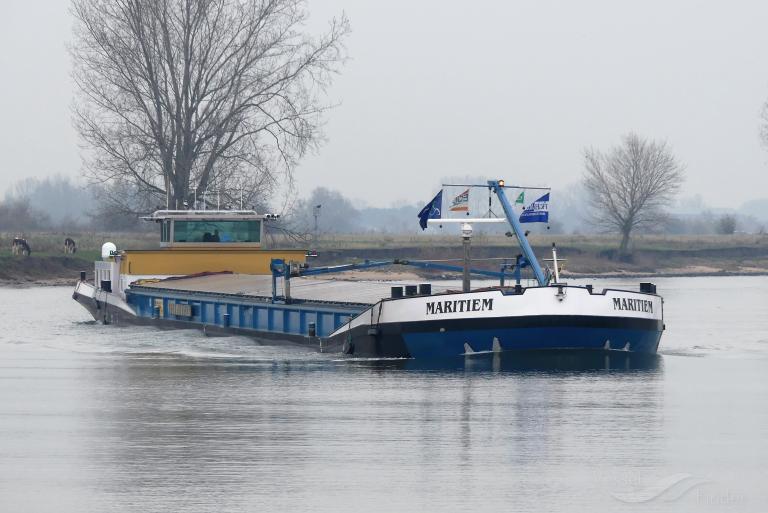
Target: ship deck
x=302, y=288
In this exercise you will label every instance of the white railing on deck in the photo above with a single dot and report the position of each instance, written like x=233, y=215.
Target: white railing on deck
x=106, y=271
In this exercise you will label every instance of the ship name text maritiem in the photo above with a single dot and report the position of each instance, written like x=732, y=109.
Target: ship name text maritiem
x=636, y=305
x=459, y=306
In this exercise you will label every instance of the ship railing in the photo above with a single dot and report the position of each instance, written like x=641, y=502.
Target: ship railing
x=106, y=275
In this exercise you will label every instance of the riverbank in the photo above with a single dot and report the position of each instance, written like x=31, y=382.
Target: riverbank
x=43, y=269
x=49, y=265
x=583, y=257
x=692, y=272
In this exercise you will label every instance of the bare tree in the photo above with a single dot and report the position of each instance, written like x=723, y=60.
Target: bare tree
x=178, y=96
x=726, y=225
x=631, y=185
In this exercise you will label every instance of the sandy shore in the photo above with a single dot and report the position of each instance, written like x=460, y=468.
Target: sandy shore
x=407, y=276
x=691, y=271
x=49, y=282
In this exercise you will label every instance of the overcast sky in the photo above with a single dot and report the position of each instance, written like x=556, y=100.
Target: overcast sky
x=437, y=88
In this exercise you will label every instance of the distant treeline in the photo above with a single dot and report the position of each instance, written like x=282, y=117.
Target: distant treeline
x=59, y=203
x=568, y=215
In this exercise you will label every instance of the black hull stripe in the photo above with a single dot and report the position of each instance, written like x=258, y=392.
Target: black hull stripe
x=528, y=321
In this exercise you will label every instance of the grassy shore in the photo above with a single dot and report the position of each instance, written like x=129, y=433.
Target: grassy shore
x=48, y=263
x=584, y=255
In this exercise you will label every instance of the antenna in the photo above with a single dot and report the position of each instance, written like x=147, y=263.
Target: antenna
x=316, y=213
x=554, y=261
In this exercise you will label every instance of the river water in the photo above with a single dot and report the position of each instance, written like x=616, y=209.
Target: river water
x=103, y=418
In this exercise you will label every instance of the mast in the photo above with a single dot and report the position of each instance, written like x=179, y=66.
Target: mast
x=497, y=186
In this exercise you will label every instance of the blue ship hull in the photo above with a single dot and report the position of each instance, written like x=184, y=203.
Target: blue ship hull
x=408, y=334
x=419, y=340
x=421, y=345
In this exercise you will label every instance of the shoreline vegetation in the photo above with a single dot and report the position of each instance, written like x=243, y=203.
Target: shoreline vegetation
x=586, y=256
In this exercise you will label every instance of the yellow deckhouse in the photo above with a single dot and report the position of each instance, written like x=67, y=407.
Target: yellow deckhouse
x=197, y=241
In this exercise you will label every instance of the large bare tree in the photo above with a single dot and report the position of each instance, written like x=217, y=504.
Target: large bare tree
x=631, y=185
x=221, y=97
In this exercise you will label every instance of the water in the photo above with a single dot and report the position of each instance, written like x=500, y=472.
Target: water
x=101, y=418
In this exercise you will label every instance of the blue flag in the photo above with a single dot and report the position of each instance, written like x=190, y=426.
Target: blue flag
x=536, y=212
x=431, y=210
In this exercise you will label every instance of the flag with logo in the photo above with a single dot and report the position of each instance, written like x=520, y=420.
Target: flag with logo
x=461, y=202
x=431, y=210
x=536, y=212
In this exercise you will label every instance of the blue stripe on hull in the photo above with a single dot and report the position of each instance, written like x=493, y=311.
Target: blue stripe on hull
x=447, y=344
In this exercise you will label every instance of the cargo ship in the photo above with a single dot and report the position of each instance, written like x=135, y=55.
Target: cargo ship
x=213, y=271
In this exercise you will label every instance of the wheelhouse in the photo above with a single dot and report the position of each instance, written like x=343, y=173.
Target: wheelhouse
x=209, y=228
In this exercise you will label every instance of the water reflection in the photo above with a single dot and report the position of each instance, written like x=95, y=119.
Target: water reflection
x=202, y=432
x=192, y=432
x=527, y=361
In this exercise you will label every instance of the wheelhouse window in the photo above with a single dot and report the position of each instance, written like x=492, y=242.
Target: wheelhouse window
x=217, y=231
x=165, y=231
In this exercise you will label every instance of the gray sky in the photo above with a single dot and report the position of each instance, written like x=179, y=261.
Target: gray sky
x=437, y=88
